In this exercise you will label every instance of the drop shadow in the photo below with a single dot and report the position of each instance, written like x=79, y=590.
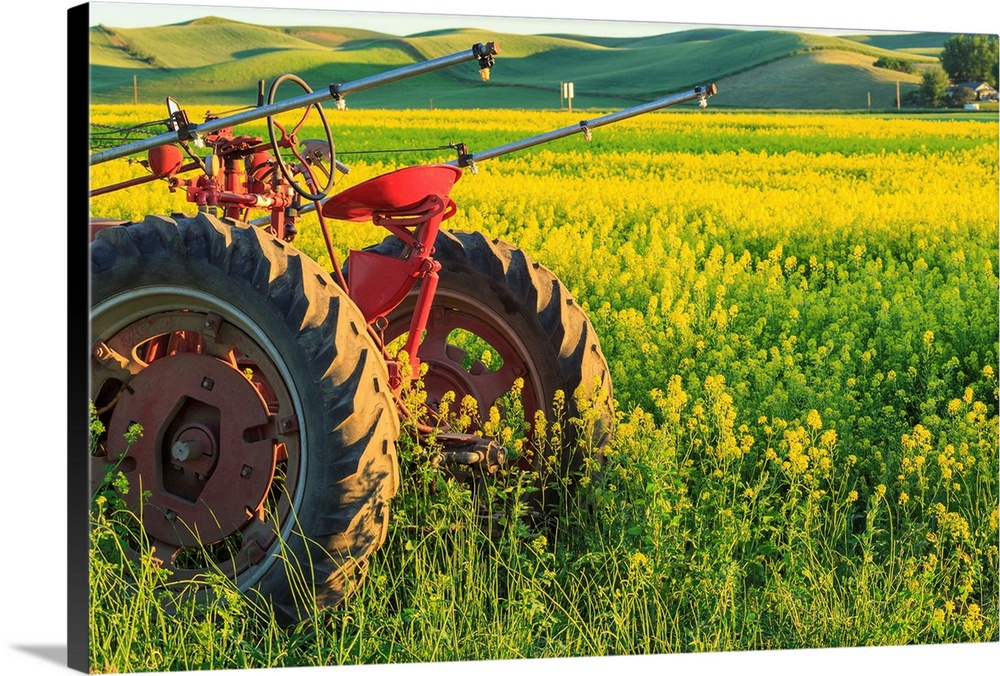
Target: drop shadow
x=57, y=654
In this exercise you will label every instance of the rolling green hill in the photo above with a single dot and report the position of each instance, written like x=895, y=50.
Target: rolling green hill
x=919, y=44
x=219, y=61
x=836, y=80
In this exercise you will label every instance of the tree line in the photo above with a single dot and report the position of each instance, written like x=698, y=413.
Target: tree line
x=965, y=58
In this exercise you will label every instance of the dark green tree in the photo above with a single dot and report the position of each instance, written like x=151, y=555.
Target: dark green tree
x=971, y=58
x=933, y=88
x=892, y=63
x=962, y=95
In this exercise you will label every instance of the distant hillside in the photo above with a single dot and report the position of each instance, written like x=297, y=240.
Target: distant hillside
x=331, y=37
x=819, y=80
x=218, y=61
x=925, y=44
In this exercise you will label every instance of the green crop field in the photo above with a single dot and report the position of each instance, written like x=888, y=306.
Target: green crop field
x=839, y=80
x=800, y=314
x=915, y=43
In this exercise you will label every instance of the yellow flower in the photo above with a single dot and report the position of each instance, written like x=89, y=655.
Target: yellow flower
x=539, y=544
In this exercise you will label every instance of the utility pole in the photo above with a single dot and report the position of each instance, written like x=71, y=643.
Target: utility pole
x=869, y=100
x=135, y=90
x=897, y=94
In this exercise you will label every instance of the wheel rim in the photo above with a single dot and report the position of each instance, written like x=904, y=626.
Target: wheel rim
x=452, y=368
x=221, y=451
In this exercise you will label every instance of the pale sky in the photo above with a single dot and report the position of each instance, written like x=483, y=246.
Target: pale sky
x=614, y=18
x=129, y=15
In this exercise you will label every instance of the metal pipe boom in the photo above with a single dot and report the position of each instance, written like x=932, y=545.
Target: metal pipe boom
x=585, y=125
x=480, y=52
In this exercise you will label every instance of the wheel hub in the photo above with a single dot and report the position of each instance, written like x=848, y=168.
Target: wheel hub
x=448, y=375
x=197, y=452
x=192, y=444
x=447, y=370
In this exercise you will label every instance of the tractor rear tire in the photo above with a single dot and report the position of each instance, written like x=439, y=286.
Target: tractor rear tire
x=268, y=427
x=495, y=292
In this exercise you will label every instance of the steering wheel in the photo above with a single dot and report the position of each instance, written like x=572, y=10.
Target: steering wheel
x=314, y=153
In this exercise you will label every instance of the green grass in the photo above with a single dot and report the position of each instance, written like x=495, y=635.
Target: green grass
x=670, y=558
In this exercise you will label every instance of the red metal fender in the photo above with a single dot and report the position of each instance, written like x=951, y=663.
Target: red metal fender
x=378, y=283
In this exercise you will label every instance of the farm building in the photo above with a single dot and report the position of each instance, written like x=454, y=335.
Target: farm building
x=984, y=91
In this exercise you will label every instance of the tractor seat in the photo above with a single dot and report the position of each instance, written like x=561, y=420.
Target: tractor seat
x=398, y=193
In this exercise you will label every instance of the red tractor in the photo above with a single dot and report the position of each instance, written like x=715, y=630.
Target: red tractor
x=269, y=403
